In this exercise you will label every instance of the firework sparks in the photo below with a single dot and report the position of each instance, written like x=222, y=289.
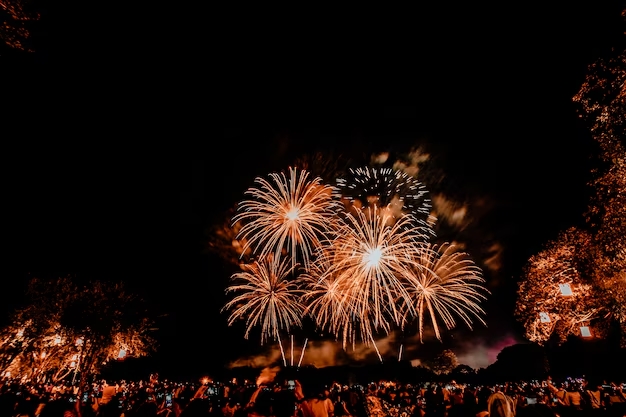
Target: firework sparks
x=323, y=299
x=386, y=188
x=266, y=297
x=370, y=261
x=286, y=213
x=366, y=187
x=447, y=285
x=332, y=308
x=15, y=24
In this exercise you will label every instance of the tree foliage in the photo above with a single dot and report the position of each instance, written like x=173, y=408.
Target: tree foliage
x=591, y=259
x=16, y=17
x=69, y=328
x=544, y=305
x=603, y=102
x=443, y=363
x=464, y=374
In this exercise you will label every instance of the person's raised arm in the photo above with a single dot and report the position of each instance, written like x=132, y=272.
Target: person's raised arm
x=298, y=390
x=255, y=394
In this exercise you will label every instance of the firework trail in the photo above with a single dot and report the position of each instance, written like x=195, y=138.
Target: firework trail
x=266, y=297
x=286, y=213
x=302, y=352
x=447, y=285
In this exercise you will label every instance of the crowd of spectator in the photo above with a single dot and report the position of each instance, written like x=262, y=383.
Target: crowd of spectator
x=283, y=397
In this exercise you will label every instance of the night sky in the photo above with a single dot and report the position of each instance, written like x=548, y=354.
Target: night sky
x=130, y=147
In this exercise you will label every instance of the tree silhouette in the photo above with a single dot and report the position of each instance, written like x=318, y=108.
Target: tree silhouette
x=519, y=362
x=463, y=374
x=443, y=363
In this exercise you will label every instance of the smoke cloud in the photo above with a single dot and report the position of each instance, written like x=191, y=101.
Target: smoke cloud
x=482, y=353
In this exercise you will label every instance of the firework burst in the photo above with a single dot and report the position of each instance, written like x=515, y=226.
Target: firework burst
x=287, y=213
x=446, y=285
x=361, y=255
x=370, y=261
x=266, y=297
x=386, y=188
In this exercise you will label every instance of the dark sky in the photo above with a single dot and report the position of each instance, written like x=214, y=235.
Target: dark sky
x=132, y=136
